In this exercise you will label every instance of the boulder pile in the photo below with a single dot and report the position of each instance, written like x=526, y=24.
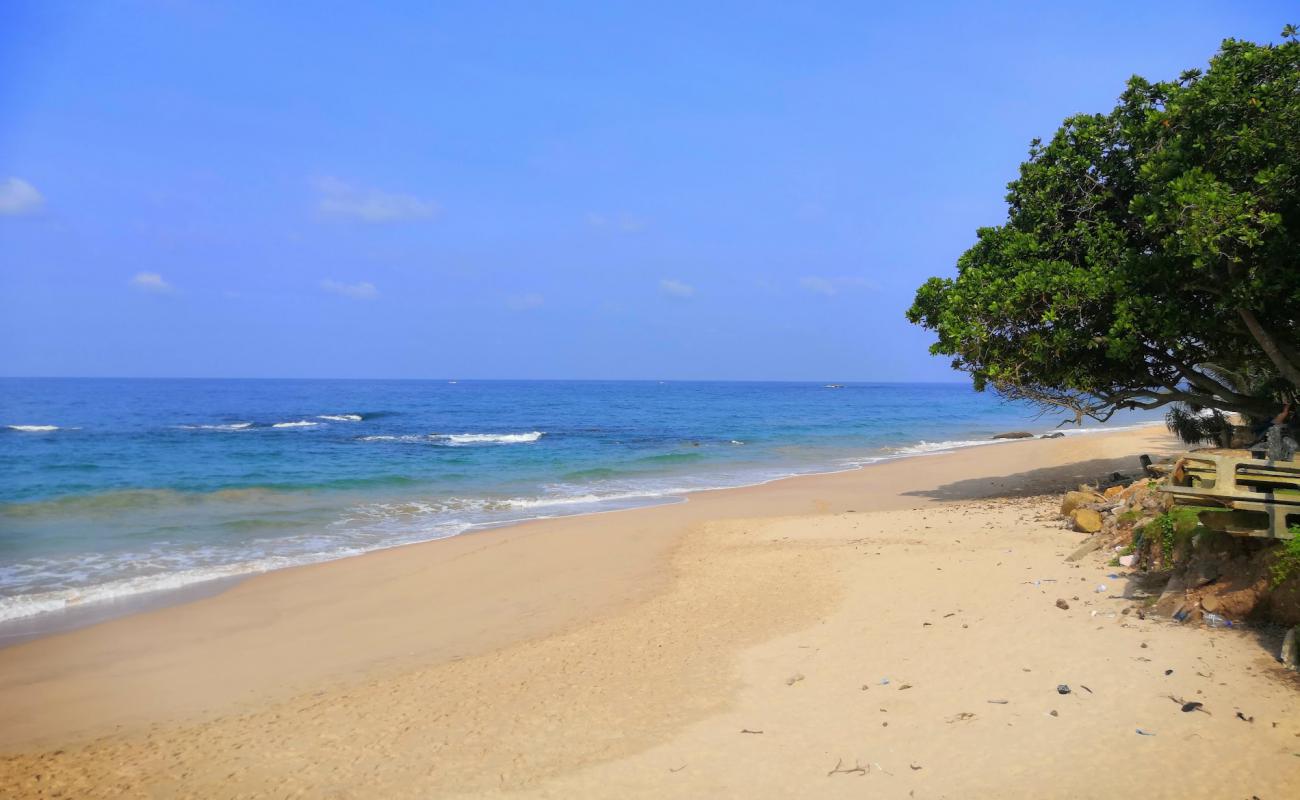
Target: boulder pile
x=1206, y=574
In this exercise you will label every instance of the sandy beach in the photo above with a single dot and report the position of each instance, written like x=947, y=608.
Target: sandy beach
x=891, y=631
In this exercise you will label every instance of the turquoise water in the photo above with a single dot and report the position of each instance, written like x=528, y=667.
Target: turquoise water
x=113, y=488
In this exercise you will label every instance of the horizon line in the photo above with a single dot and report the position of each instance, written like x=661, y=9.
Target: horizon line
x=844, y=381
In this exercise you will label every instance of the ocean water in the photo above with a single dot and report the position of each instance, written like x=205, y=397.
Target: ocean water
x=117, y=488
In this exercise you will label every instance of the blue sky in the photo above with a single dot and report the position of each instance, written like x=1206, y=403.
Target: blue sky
x=527, y=190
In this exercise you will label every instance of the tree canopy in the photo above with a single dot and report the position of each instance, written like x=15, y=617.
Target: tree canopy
x=1151, y=255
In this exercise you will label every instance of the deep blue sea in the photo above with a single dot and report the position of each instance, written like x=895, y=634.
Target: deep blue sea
x=112, y=488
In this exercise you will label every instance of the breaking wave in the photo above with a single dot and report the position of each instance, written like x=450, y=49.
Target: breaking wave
x=459, y=439
x=489, y=438
x=232, y=426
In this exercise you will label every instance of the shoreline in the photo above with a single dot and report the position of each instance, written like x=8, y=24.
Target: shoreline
x=28, y=627
x=895, y=621
x=296, y=627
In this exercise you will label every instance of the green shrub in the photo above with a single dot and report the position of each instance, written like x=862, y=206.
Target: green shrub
x=1287, y=561
x=1178, y=523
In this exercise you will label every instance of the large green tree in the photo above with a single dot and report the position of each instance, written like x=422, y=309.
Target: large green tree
x=1151, y=255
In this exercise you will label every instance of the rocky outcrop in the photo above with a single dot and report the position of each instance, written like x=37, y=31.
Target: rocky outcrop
x=1014, y=435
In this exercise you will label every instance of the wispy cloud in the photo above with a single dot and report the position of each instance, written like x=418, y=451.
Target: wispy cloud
x=831, y=286
x=339, y=199
x=151, y=282
x=623, y=222
x=362, y=290
x=17, y=196
x=676, y=288
x=818, y=285
x=523, y=302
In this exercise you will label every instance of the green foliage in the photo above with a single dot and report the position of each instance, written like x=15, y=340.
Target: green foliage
x=1287, y=561
x=1169, y=528
x=1151, y=255
x=1195, y=425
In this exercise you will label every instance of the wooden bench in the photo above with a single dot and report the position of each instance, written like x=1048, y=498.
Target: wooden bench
x=1241, y=483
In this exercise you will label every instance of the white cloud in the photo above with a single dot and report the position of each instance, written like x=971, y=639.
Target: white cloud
x=676, y=288
x=338, y=198
x=523, y=302
x=363, y=290
x=830, y=286
x=17, y=196
x=819, y=285
x=624, y=223
x=151, y=282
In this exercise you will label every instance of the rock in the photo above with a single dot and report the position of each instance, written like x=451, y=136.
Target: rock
x=1171, y=599
x=1128, y=560
x=1211, y=603
x=1204, y=573
x=1015, y=435
x=1061, y=604
x=1084, y=549
x=1073, y=500
x=1086, y=520
x=1238, y=599
x=1290, y=656
x=1159, y=504
x=1052, y=435
x=1135, y=492
x=1113, y=492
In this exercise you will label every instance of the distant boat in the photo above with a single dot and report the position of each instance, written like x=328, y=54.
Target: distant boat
x=453, y=381
x=834, y=386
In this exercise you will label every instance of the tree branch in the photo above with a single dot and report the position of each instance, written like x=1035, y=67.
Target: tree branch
x=1270, y=347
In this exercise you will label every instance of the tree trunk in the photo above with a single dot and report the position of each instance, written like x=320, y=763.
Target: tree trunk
x=1270, y=347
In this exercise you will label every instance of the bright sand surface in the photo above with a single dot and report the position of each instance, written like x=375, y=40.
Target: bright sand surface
x=737, y=644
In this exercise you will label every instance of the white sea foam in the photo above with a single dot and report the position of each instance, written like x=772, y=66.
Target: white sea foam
x=458, y=439
x=923, y=447
x=233, y=426
x=364, y=528
x=27, y=605
x=302, y=423
x=1108, y=428
x=340, y=417
x=489, y=438
x=33, y=428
